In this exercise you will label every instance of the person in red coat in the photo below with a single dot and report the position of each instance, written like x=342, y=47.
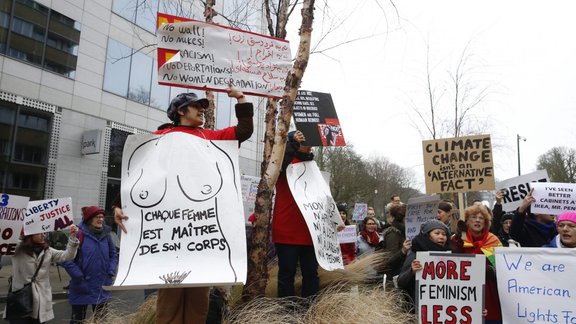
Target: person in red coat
x=348, y=249
x=289, y=230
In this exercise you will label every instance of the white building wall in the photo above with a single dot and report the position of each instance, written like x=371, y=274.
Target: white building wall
x=85, y=106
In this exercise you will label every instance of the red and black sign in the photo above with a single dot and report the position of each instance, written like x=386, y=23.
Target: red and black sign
x=315, y=116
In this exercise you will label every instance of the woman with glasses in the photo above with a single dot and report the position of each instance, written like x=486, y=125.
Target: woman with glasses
x=474, y=238
x=369, y=237
x=94, y=266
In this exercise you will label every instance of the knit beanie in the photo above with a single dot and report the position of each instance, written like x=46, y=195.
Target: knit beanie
x=433, y=224
x=507, y=216
x=567, y=216
x=91, y=211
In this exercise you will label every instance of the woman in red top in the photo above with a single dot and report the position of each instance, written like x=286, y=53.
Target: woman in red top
x=348, y=249
x=186, y=111
x=289, y=230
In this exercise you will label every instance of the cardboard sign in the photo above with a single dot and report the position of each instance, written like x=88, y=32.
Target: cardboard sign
x=249, y=191
x=313, y=197
x=347, y=235
x=515, y=189
x=458, y=164
x=48, y=215
x=186, y=225
x=553, y=198
x=419, y=211
x=360, y=211
x=315, y=116
x=450, y=288
x=536, y=285
x=205, y=56
x=12, y=213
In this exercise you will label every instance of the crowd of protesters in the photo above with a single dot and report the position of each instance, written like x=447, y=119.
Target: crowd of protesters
x=91, y=257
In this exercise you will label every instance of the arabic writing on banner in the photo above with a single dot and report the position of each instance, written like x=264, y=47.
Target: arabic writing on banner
x=186, y=224
x=459, y=164
x=12, y=213
x=206, y=56
x=48, y=215
x=553, y=198
x=450, y=288
x=419, y=211
x=536, y=285
x=313, y=197
x=515, y=189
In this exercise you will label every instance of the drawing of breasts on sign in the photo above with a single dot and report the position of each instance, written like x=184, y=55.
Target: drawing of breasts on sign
x=184, y=189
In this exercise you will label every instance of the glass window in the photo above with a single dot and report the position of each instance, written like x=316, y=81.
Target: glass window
x=117, y=70
x=140, y=78
x=117, y=140
x=159, y=94
x=39, y=36
x=24, y=147
x=125, y=8
x=146, y=15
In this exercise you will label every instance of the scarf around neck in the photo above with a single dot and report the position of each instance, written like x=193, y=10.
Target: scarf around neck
x=372, y=238
x=484, y=244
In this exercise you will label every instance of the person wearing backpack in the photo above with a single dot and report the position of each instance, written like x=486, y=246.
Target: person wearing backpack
x=94, y=266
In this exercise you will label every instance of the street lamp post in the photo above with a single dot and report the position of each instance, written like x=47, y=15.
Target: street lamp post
x=518, y=138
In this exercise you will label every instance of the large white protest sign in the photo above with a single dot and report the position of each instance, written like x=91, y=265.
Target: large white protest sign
x=315, y=201
x=183, y=198
x=515, y=189
x=418, y=211
x=48, y=215
x=536, y=285
x=553, y=198
x=450, y=288
x=12, y=213
x=206, y=56
x=347, y=235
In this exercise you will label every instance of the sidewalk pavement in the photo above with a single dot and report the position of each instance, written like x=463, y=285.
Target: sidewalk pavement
x=58, y=279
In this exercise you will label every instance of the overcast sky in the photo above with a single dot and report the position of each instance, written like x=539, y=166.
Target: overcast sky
x=524, y=51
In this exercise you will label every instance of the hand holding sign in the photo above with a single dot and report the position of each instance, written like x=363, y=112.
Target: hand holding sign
x=73, y=230
x=526, y=202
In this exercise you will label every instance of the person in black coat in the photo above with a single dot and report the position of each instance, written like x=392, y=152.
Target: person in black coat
x=531, y=230
x=433, y=236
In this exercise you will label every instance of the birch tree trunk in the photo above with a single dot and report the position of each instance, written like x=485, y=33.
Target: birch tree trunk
x=209, y=114
x=275, y=143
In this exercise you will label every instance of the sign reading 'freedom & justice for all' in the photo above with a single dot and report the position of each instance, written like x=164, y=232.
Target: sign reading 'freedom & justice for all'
x=205, y=56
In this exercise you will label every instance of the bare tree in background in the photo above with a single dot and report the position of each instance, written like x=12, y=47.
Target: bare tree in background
x=453, y=105
x=371, y=181
x=560, y=162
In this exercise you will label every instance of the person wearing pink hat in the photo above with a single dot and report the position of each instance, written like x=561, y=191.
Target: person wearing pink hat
x=566, y=226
